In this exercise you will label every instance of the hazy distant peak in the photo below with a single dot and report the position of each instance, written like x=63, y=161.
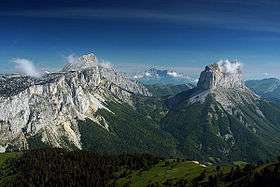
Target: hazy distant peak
x=153, y=72
x=163, y=76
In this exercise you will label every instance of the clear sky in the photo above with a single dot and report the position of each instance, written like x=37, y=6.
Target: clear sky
x=182, y=34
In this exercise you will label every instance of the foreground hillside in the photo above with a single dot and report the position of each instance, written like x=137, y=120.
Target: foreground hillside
x=57, y=167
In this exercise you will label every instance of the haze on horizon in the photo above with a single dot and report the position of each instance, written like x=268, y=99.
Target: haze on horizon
x=181, y=35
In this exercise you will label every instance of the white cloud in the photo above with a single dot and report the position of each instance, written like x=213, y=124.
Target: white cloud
x=174, y=74
x=72, y=59
x=148, y=74
x=104, y=63
x=247, y=18
x=230, y=67
x=26, y=67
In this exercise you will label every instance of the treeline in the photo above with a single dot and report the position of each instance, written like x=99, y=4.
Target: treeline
x=258, y=175
x=56, y=167
x=248, y=176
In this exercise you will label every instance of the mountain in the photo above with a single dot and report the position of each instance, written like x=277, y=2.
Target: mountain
x=158, y=76
x=221, y=119
x=87, y=105
x=164, y=90
x=267, y=88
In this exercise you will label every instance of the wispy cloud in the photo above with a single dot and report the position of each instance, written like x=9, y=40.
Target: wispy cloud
x=241, y=19
x=26, y=67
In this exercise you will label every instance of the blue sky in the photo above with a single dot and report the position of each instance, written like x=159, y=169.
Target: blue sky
x=133, y=35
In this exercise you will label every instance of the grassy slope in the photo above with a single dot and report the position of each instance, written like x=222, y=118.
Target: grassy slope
x=6, y=172
x=198, y=139
x=130, y=131
x=188, y=173
x=131, y=170
x=170, y=171
x=161, y=90
x=6, y=156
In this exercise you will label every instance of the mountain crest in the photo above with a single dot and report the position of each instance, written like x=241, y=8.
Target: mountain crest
x=224, y=74
x=88, y=58
x=80, y=63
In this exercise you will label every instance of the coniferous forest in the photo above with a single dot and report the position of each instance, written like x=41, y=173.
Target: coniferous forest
x=57, y=167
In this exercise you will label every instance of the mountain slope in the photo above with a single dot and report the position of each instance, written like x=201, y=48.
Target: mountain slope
x=51, y=110
x=267, y=88
x=131, y=131
x=222, y=119
x=83, y=168
x=162, y=90
x=90, y=106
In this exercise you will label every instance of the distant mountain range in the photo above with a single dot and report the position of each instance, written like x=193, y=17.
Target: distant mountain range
x=158, y=76
x=91, y=106
x=165, y=90
x=267, y=88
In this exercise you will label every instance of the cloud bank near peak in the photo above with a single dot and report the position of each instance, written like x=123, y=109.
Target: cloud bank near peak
x=26, y=67
x=230, y=67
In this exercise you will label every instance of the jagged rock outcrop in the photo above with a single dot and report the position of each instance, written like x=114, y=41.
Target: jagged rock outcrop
x=49, y=107
x=218, y=76
x=224, y=80
x=89, y=105
x=222, y=119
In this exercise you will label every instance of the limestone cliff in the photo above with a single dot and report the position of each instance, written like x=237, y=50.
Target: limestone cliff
x=50, y=106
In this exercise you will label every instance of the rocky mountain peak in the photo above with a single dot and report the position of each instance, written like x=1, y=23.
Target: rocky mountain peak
x=224, y=74
x=80, y=63
x=88, y=58
x=50, y=107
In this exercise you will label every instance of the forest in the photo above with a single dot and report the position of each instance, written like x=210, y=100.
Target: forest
x=58, y=167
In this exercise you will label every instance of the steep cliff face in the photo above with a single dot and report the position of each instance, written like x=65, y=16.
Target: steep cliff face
x=224, y=81
x=224, y=74
x=89, y=105
x=222, y=119
x=47, y=109
x=267, y=88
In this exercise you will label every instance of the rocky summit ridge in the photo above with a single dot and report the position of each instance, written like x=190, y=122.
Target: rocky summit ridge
x=224, y=74
x=50, y=106
x=83, y=62
x=222, y=118
x=89, y=105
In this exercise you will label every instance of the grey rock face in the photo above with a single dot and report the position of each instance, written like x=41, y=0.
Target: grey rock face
x=49, y=107
x=224, y=81
x=221, y=116
x=216, y=76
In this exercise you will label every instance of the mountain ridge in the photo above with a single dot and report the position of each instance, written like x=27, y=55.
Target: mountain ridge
x=162, y=76
x=94, y=107
x=49, y=105
x=267, y=88
x=222, y=119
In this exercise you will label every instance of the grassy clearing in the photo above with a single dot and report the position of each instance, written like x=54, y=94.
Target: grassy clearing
x=170, y=170
x=6, y=173
x=5, y=156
